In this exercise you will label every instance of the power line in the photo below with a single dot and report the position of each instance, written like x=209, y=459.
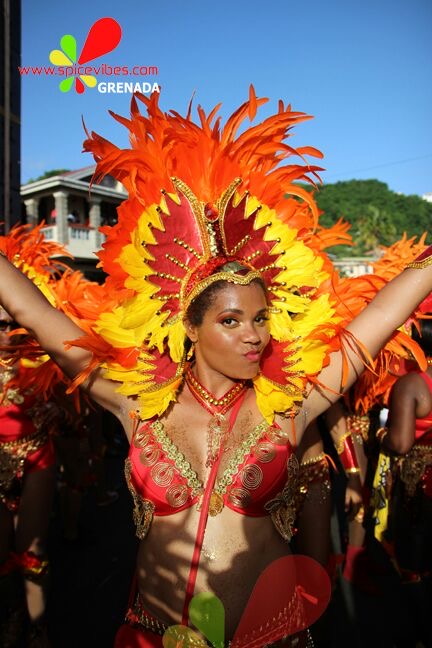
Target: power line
x=378, y=166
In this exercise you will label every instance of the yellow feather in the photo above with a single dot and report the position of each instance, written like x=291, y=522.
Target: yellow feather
x=109, y=328
x=280, y=325
x=270, y=399
x=155, y=403
x=176, y=340
x=251, y=205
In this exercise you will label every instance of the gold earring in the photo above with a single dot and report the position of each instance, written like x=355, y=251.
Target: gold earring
x=191, y=351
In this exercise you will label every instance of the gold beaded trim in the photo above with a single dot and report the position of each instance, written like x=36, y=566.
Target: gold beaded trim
x=227, y=399
x=223, y=203
x=339, y=444
x=413, y=466
x=26, y=444
x=358, y=425
x=13, y=455
x=313, y=460
x=240, y=244
x=138, y=616
x=420, y=265
x=314, y=470
x=177, y=457
x=143, y=508
x=231, y=277
x=187, y=247
x=284, y=507
x=197, y=208
x=185, y=468
x=239, y=456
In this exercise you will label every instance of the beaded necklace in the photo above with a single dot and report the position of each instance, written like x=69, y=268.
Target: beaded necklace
x=218, y=425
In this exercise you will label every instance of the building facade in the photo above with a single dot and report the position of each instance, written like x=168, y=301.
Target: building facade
x=72, y=213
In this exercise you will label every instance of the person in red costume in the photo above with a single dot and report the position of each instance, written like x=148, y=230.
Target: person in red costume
x=27, y=481
x=408, y=437
x=223, y=348
x=403, y=485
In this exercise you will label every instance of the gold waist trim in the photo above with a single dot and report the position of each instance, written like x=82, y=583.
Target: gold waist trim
x=413, y=465
x=13, y=455
x=20, y=446
x=139, y=616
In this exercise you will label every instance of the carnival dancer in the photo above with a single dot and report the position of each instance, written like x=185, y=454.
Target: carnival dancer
x=26, y=490
x=28, y=412
x=225, y=344
x=27, y=458
x=402, y=494
x=357, y=418
x=407, y=438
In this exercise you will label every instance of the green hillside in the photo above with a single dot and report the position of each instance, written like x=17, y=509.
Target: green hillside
x=378, y=216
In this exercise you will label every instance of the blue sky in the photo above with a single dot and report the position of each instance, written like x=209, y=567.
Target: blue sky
x=362, y=68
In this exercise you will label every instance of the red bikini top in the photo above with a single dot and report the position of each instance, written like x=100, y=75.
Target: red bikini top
x=161, y=475
x=423, y=424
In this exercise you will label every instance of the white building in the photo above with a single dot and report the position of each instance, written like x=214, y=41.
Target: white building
x=72, y=211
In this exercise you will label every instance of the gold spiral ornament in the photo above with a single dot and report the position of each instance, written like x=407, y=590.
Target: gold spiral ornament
x=265, y=452
x=141, y=439
x=177, y=495
x=251, y=476
x=162, y=474
x=150, y=455
x=240, y=497
x=277, y=436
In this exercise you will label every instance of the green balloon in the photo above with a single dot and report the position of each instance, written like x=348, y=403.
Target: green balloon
x=68, y=45
x=207, y=614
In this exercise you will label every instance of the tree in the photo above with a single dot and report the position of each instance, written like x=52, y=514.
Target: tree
x=374, y=228
x=356, y=200
x=49, y=174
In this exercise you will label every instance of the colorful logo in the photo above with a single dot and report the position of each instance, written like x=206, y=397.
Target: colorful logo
x=103, y=37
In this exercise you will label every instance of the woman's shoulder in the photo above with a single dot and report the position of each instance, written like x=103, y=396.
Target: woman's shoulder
x=411, y=384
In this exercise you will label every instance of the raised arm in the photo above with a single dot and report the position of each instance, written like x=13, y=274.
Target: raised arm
x=372, y=328
x=28, y=306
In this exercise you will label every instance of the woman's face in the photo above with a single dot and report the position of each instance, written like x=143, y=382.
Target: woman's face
x=234, y=332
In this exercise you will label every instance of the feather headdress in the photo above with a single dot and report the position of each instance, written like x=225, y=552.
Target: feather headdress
x=203, y=198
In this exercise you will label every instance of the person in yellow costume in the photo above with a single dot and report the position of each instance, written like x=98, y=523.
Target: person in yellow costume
x=228, y=339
